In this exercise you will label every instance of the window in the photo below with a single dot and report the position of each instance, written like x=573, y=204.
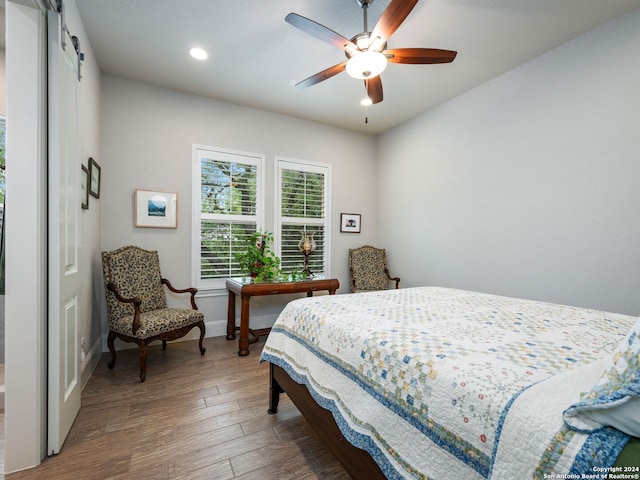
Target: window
x=228, y=205
x=302, y=205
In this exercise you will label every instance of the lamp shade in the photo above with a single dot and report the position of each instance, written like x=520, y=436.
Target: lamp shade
x=366, y=64
x=307, y=243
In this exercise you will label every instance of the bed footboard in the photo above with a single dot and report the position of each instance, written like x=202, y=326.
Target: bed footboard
x=357, y=462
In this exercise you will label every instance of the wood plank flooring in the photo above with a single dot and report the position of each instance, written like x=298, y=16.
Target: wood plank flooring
x=195, y=417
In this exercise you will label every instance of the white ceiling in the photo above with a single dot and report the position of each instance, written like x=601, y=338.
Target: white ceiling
x=254, y=55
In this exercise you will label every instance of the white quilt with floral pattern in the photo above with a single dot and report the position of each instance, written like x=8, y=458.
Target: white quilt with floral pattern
x=448, y=384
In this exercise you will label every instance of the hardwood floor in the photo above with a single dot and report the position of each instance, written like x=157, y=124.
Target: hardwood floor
x=193, y=418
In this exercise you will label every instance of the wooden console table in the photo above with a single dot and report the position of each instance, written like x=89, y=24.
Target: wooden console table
x=247, y=289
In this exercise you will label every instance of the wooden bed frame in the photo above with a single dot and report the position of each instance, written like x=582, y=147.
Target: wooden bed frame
x=356, y=461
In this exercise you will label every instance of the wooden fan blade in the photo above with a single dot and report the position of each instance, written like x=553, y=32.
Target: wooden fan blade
x=419, y=55
x=374, y=89
x=319, y=31
x=321, y=76
x=392, y=18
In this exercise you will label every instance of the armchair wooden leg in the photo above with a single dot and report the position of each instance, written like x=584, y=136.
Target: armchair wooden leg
x=143, y=361
x=164, y=345
x=201, y=327
x=110, y=339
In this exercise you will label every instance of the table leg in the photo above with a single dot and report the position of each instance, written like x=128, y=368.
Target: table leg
x=243, y=343
x=231, y=316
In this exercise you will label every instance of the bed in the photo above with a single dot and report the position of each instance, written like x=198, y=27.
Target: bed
x=447, y=384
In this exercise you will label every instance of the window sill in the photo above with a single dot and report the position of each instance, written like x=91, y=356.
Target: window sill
x=211, y=291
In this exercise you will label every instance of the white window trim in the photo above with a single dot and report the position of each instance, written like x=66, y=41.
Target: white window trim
x=310, y=166
x=217, y=286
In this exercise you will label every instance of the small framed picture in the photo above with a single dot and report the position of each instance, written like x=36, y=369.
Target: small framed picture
x=350, y=222
x=156, y=209
x=94, y=178
x=84, y=188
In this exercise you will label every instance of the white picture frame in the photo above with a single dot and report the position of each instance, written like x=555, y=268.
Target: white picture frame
x=154, y=209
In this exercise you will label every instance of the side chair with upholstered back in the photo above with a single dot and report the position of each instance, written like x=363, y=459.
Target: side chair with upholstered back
x=368, y=269
x=137, y=304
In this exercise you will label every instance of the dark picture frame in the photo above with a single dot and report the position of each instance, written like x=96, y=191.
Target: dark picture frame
x=350, y=222
x=94, y=178
x=84, y=187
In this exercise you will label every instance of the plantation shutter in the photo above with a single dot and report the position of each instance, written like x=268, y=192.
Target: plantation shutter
x=303, y=192
x=229, y=210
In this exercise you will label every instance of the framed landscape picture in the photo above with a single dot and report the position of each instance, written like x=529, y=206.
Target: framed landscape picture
x=94, y=178
x=156, y=209
x=84, y=187
x=350, y=222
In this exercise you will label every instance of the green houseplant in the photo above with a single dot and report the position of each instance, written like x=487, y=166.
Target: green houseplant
x=258, y=260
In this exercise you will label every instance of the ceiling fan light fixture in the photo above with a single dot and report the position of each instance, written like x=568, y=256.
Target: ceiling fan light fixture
x=366, y=101
x=362, y=41
x=377, y=44
x=366, y=64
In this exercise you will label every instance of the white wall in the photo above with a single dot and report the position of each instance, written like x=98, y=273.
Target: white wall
x=147, y=138
x=25, y=396
x=90, y=301
x=528, y=185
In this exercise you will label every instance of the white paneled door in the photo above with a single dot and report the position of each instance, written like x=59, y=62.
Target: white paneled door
x=64, y=241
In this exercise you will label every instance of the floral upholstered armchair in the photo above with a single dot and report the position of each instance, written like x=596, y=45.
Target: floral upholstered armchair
x=368, y=269
x=137, y=304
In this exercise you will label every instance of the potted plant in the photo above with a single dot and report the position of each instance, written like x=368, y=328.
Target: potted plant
x=258, y=260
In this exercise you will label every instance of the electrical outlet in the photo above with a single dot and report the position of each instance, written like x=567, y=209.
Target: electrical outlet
x=82, y=343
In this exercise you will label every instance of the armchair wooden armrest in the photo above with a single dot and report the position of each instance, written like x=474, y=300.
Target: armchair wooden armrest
x=136, y=305
x=393, y=279
x=190, y=290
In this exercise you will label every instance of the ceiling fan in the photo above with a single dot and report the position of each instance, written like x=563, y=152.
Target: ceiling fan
x=367, y=54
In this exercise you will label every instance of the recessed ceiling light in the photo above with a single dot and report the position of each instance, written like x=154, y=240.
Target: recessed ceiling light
x=198, y=53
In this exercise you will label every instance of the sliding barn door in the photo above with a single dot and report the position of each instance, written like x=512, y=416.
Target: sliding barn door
x=63, y=230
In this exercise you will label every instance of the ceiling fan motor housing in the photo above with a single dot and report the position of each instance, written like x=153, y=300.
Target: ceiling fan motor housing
x=362, y=41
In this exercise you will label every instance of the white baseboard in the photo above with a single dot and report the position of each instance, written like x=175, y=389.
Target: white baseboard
x=214, y=328
x=90, y=361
